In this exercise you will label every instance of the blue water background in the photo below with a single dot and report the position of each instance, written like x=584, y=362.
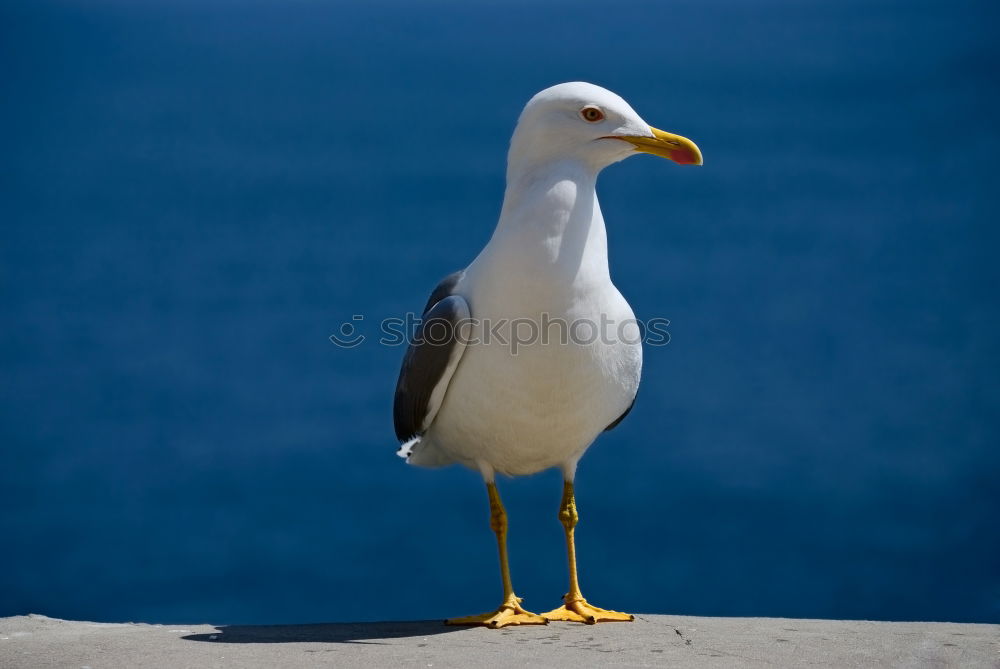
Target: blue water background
x=195, y=195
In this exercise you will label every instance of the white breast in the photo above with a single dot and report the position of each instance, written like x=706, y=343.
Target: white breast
x=522, y=407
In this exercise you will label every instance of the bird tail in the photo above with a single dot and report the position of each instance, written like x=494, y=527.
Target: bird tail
x=406, y=448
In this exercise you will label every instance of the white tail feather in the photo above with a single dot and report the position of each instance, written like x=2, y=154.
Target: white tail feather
x=406, y=449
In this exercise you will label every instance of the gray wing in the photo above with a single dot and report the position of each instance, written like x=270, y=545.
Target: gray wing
x=431, y=360
x=444, y=288
x=615, y=422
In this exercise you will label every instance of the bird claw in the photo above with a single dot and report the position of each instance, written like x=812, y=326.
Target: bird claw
x=509, y=613
x=577, y=610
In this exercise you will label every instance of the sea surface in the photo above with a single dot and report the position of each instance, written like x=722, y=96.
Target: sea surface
x=195, y=195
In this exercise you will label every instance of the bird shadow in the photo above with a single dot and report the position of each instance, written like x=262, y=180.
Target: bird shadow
x=324, y=632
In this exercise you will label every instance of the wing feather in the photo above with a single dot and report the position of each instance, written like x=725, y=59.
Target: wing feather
x=431, y=360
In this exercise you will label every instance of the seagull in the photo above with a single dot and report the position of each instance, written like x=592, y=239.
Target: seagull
x=526, y=356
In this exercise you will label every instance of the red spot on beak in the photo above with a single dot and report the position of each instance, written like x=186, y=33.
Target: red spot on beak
x=684, y=156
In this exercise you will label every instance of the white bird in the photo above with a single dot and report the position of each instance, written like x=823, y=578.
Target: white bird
x=522, y=359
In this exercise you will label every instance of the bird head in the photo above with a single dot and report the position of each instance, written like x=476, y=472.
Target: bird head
x=590, y=124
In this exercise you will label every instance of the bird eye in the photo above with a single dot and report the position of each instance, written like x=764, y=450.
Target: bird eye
x=591, y=114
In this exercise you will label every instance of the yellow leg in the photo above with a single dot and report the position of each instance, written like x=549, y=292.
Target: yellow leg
x=510, y=612
x=576, y=608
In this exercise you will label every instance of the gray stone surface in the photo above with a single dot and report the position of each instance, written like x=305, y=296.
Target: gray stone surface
x=652, y=641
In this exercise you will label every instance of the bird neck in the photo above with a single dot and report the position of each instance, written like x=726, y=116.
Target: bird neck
x=551, y=222
x=550, y=226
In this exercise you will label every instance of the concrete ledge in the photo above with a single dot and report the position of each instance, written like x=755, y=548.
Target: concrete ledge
x=652, y=640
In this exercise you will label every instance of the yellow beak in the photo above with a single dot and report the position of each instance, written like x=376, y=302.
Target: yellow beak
x=679, y=149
